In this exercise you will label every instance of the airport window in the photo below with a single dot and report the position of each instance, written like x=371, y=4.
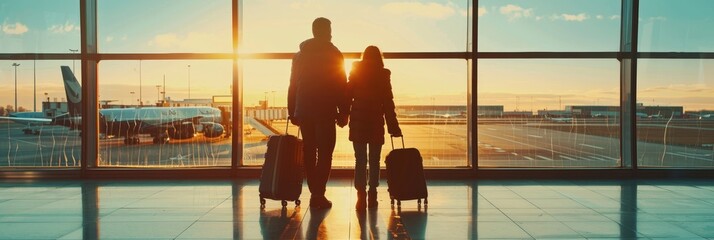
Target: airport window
x=163, y=114
x=432, y=118
x=676, y=26
x=675, y=123
x=394, y=25
x=548, y=78
x=39, y=26
x=550, y=25
x=548, y=113
x=164, y=26
x=38, y=133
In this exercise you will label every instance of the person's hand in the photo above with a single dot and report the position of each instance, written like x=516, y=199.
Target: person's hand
x=294, y=121
x=396, y=133
x=342, y=120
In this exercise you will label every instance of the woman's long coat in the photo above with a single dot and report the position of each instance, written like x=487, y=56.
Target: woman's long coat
x=370, y=92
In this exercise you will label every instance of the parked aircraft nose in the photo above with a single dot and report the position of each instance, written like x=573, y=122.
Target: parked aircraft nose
x=212, y=130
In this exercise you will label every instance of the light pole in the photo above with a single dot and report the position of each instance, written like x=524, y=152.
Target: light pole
x=15, y=65
x=189, y=81
x=163, y=97
x=140, y=99
x=34, y=85
x=73, y=51
x=158, y=94
x=273, y=92
x=48, y=104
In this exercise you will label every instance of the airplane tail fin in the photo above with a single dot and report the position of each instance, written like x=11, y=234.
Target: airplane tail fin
x=73, y=91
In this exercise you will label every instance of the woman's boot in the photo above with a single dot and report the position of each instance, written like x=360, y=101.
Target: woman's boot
x=361, y=200
x=372, y=198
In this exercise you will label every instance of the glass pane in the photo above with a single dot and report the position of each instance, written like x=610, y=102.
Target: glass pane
x=32, y=106
x=165, y=113
x=548, y=113
x=164, y=26
x=39, y=26
x=675, y=125
x=550, y=25
x=432, y=117
x=392, y=25
x=676, y=26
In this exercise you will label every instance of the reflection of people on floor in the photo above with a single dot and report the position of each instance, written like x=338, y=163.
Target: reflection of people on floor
x=364, y=218
x=280, y=224
x=362, y=221
x=373, y=222
x=315, y=228
x=407, y=225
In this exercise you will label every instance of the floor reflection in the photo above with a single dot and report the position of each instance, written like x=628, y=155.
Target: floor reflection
x=273, y=224
x=457, y=210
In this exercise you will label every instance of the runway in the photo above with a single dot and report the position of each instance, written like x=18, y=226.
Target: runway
x=441, y=143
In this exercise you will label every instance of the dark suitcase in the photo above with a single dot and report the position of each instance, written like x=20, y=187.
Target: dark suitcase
x=282, y=174
x=405, y=175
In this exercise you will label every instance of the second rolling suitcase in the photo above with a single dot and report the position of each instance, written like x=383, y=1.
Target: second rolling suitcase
x=405, y=175
x=282, y=175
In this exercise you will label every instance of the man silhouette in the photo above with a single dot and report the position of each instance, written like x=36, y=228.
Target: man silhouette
x=317, y=91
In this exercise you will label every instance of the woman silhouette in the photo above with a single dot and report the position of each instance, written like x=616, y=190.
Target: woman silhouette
x=370, y=92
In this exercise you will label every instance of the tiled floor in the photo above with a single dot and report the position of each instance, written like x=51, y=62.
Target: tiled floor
x=457, y=210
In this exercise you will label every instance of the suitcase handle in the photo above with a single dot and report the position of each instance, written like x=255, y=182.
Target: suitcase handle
x=391, y=138
x=287, y=124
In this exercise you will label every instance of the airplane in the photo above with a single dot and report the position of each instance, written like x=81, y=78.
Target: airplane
x=162, y=123
x=27, y=119
x=560, y=119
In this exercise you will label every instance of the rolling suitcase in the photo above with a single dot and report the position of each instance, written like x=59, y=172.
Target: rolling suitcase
x=282, y=174
x=405, y=175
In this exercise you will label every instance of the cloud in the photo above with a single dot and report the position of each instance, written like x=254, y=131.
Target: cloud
x=109, y=39
x=426, y=10
x=683, y=88
x=514, y=11
x=123, y=38
x=167, y=40
x=193, y=41
x=14, y=29
x=306, y=6
x=614, y=17
x=600, y=17
x=572, y=17
x=63, y=28
x=464, y=13
x=482, y=11
x=658, y=18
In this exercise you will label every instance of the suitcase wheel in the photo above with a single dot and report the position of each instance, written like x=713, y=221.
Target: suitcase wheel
x=297, y=202
x=262, y=202
x=284, y=203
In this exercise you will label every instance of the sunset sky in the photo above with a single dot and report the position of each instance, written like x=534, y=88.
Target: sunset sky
x=164, y=26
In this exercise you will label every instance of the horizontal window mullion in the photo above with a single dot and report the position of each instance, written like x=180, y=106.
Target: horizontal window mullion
x=484, y=55
x=677, y=55
x=163, y=56
x=40, y=56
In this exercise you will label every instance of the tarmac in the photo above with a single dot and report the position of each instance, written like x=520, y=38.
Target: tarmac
x=442, y=143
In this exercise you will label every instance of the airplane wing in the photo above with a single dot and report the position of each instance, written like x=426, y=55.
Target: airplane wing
x=26, y=120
